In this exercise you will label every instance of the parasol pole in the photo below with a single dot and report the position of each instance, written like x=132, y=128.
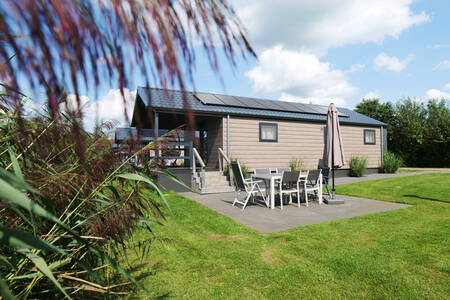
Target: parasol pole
x=333, y=200
x=332, y=161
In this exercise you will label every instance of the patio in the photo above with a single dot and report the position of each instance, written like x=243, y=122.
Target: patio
x=265, y=220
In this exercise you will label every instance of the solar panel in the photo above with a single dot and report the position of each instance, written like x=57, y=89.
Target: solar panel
x=341, y=114
x=208, y=99
x=254, y=103
x=303, y=108
x=321, y=109
x=231, y=101
x=273, y=105
x=287, y=106
x=324, y=110
x=314, y=109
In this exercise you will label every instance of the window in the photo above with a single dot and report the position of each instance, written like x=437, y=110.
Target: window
x=369, y=137
x=268, y=132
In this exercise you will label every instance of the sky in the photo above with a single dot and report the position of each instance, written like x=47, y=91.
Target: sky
x=324, y=51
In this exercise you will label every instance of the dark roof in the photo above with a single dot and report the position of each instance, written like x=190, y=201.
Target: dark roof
x=169, y=100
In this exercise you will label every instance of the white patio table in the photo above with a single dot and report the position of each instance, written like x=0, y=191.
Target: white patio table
x=274, y=177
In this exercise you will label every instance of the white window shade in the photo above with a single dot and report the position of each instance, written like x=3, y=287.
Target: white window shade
x=268, y=132
x=369, y=137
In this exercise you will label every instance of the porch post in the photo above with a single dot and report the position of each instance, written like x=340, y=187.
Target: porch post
x=228, y=136
x=156, y=130
x=229, y=151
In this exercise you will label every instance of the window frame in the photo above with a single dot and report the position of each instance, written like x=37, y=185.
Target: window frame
x=374, y=136
x=261, y=124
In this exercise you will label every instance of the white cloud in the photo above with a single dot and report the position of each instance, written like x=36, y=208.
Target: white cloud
x=372, y=95
x=109, y=107
x=356, y=68
x=447, y=86
x=391, y=63
x=322, y=24
x=439, y=46
x=313, y=100
x=300, y=76
x=442, y=65
x=437, y=94
x=31, y=107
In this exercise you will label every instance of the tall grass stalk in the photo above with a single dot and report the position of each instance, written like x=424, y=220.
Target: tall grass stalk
x=66, y=219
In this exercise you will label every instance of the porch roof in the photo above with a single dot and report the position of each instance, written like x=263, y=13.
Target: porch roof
x=174, y=100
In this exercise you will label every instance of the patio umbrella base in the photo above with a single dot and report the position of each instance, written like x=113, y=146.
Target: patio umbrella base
x=332, y=201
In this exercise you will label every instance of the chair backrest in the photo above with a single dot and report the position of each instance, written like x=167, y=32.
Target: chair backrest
x=325, y=174
x=303, y=177
x=313, y=176
x=325, y=171
x=261, y=171
x=290, y=177
x=281, y=170
x=237, y=174
x=304, y=174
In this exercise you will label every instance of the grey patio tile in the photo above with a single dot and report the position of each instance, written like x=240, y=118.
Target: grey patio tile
x=267, y=220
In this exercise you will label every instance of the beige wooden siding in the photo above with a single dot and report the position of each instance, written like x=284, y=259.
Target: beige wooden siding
x=295, y=140
x=353, y=139
x=214, y=129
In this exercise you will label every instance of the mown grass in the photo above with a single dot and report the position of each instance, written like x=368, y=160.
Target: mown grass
x=407, y=170
x=402, y=254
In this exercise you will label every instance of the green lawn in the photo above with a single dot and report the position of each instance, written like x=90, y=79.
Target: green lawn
x=401, y=254
x=408, y=170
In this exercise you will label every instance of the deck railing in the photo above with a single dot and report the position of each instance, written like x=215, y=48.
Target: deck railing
x=197, y=158
x=172, y=150
x=223, y=156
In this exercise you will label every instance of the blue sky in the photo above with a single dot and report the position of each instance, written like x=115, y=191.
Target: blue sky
x=326, y=51
x=426, y=44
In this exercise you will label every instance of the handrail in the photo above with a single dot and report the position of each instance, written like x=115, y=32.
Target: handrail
x=196, y=156
x=222, y=155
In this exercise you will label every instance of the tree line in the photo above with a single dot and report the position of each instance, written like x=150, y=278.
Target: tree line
x=417, y=131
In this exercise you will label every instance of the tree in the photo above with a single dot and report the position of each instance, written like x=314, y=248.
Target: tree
x=408, y=129
x=436, y=146
x=383, y=112
x=418, y=133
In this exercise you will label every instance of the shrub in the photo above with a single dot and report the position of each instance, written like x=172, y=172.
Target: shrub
x=391, y=163
x=358, y=166
x=297, y=164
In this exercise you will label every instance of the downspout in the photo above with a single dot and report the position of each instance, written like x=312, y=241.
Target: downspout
x=382, y=140
x=228, y=136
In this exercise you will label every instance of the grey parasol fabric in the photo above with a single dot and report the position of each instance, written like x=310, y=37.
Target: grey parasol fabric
x=333, y=151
